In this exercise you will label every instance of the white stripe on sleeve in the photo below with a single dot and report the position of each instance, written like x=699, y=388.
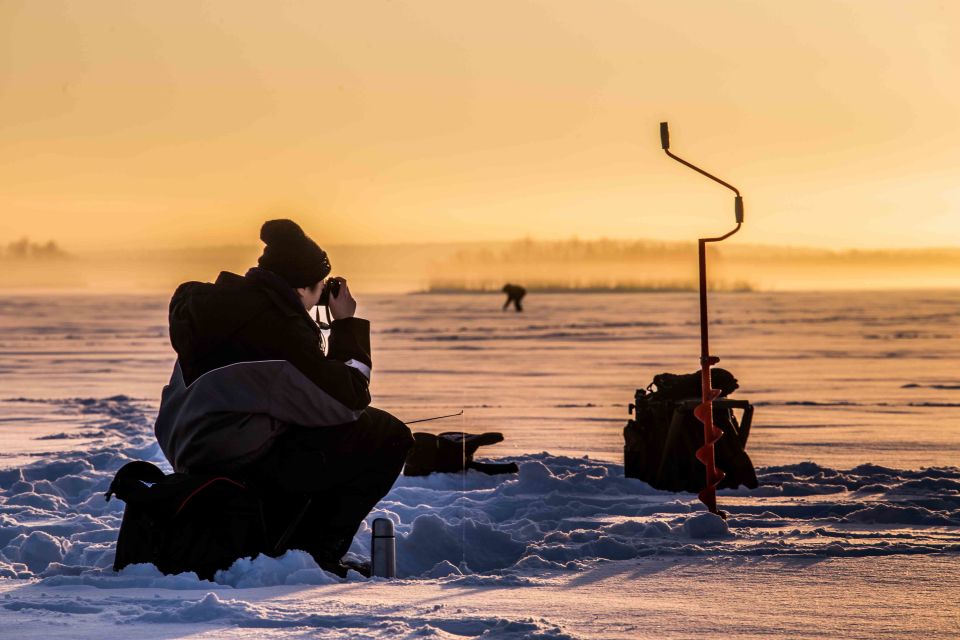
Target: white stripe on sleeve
x=359, y=366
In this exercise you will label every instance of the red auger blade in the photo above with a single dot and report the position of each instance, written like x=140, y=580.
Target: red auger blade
x=705, y=454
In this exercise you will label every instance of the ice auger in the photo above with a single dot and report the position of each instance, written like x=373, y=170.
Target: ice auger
x=704, y=411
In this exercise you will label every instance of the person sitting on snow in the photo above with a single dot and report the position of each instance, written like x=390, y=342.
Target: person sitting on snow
x=253, y=395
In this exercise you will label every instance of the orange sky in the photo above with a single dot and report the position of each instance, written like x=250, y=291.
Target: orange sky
x=160, y=124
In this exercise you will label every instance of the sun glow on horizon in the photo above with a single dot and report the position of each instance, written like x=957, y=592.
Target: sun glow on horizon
x=158, y=126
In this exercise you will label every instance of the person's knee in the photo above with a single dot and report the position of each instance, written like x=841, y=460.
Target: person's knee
x=390, y=430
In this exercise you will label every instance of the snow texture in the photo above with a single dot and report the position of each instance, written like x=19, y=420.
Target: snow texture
x=558, y=513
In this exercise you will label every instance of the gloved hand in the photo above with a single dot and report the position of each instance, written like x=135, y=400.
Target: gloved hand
x=452, y=452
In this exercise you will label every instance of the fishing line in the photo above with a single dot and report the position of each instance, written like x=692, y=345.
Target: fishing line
x=463, y=476
x=463, y=481
x=463, y=494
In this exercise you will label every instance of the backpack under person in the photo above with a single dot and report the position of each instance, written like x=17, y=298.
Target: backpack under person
x=661, y=440
x=181, y=522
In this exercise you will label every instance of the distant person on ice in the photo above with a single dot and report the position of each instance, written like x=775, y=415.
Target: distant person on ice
x=254, y=396
x=515, y=295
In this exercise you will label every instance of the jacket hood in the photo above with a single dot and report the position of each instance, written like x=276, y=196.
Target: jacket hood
x=204, y=315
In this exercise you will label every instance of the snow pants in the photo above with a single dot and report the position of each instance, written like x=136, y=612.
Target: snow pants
x=328, y=479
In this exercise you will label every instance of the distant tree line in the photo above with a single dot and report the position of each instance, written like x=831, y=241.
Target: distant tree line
x=529, y=251
x=577, y=251
x=26, y=249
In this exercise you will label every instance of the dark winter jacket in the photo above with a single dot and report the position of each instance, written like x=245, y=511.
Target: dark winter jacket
x=249, y=366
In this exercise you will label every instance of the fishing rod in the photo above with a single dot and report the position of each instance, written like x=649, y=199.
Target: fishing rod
x=704, y=411
x=452, y=415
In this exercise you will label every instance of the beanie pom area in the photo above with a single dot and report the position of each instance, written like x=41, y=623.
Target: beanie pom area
x=279, y=231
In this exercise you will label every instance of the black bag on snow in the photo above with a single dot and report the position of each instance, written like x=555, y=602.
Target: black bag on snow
x=452, y=452
x=182, y=522
x=661, y=440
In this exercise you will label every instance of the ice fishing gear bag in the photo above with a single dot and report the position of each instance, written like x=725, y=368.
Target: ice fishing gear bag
x=181, y=522
x=661, y=439
x=452, y=452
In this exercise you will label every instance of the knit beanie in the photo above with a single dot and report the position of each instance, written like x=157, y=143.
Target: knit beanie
x=292, y=255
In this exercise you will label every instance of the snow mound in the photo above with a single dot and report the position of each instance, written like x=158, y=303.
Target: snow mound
x=208, y=609
x=706, y=525
x=293, y=567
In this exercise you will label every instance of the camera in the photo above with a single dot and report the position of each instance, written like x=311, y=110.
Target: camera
x=330, y=287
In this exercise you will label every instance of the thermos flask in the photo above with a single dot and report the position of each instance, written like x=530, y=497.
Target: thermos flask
x=383, y=549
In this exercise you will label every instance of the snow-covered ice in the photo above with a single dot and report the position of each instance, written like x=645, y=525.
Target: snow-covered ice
x=846, y=536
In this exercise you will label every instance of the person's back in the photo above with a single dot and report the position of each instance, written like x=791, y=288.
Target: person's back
x=254, y=394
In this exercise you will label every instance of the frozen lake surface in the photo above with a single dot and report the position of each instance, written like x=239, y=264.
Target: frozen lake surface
x=855, y=531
